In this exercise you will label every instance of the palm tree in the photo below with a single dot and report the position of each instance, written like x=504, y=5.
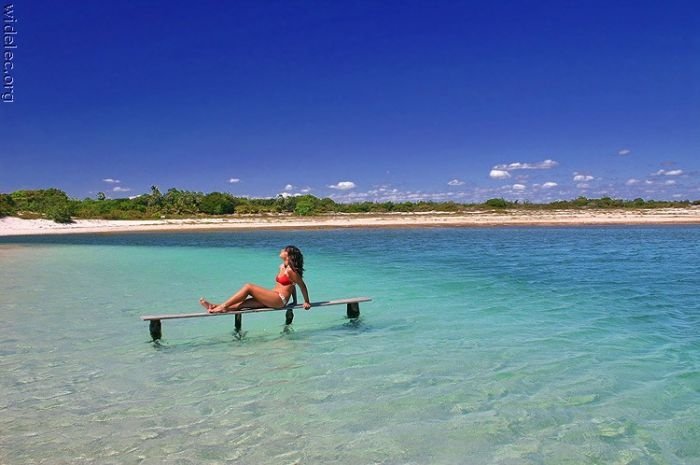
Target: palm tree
x=156, y=198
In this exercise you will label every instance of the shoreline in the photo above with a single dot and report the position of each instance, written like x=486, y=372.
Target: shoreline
x=13, y=226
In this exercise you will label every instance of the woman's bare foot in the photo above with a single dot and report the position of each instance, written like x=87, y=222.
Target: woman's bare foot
x=218, y=309
x=206, y=304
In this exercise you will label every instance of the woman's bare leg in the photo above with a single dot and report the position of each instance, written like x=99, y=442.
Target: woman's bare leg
x=250, y=302
x=264, y=297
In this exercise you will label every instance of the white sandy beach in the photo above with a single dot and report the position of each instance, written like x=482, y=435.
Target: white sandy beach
x=11, y=226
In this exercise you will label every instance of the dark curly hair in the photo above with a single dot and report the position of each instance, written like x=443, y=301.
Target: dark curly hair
x=296, y=259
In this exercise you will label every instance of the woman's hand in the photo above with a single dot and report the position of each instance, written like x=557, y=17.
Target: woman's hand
x=307, y=305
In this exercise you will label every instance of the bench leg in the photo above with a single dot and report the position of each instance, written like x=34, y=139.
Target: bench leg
x=155, y=329
x=289, y=317
x=354, y=310
x=239, y=322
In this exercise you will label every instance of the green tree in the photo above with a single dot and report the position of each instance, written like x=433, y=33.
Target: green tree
x=155, y=199
x=285, y=203
x=306, y=205
x=39, y=201
x=327, y=204
x=496, y=203
x=216, y=203
x=7, y=205
x=581, y=201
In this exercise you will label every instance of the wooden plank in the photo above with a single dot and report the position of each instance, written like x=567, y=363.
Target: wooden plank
x=324, y=303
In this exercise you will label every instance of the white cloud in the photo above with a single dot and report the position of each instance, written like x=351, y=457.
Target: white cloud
x=288, y=187
x=670, y=182
x=503, y=171
x=343, y=185
x=499, y=174
x=111, y=181
x=121, y=189
x=624, y=152
x=547, y=164
x=383, y=190
x=583, y=185
x=234, y=180
x=455, y=182
x=306, y=190
x=668, y=173
x=542, y=165
x=519, y=187
x=583, y=177
x=387, y=194
x=549, y=185
x=632, y=182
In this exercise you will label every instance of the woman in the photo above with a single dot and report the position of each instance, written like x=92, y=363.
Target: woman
x=254, y=296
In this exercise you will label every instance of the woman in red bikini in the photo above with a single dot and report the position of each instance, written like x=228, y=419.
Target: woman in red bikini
x=254, y=296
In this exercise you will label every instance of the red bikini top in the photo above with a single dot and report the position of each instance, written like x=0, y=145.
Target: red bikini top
x=283, y=279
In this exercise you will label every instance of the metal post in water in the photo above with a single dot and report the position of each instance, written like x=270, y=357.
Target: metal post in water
x=155, y=329
x=239, y=322
x=353, y=310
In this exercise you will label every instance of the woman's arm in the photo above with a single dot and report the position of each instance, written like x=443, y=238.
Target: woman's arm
x=305, y=293
x=296, y=279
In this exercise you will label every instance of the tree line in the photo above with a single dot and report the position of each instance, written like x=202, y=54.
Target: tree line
x=56, y=205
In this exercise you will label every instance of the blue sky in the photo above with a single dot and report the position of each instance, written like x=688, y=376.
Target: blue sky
x=356, y=100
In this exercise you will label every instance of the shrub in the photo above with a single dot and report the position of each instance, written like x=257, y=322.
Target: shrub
x=60, y=214
x=217, y=203
x=497, y=203
x=7, y=205
x=304, y=207
x=247, y=209
x=39, y=201
x=581, y=202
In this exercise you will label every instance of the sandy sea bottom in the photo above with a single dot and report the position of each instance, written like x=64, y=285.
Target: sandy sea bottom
x=506, y=346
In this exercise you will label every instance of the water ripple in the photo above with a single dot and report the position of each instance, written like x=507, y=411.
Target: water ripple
x=505, y=346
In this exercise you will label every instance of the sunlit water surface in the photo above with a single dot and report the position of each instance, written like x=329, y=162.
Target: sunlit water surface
x=481, y=346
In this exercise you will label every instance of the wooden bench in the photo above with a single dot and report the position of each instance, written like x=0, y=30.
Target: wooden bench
x=154, y=326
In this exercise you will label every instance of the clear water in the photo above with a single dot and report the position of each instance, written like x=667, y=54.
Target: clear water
x=483, y=346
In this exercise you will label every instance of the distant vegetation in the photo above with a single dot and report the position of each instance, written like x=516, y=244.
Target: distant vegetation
x=56, y=205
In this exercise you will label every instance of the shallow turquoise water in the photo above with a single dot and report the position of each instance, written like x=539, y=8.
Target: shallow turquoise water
x=484, y=346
